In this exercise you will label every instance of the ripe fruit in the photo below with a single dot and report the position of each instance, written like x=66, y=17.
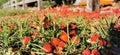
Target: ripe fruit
x=26, y=39
x=55, y=41
x=94, y=38
x=64, y=36
x=47, y=48
x=86, y=52
x=95, y=52
x=61, y=44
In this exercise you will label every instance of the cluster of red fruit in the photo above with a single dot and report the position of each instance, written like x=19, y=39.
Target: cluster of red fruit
x=96, y=39
x=93, y=52
x=59, y=43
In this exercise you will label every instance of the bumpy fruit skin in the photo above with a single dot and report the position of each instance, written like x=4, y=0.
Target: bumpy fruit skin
x=47, y=48
x=61, y=44
x=75, y=39
x=86, y=52
x=94, y=38
x=95, y=52
x=26, y=40
x=55, y=41
x=64, y=36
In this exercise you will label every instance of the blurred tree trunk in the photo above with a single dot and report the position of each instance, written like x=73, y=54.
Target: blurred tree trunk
x=92, y=5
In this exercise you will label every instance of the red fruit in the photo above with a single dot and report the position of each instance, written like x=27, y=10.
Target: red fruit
x=86, y=52
x=64, y=36
x=102, y=42
x=95, y=52
x=75, y=39
x=27, y=39
x=117, y=26
x=61, y=44
x=94, y=38
x=47, y=48
x=73, y=32
x=55, y=41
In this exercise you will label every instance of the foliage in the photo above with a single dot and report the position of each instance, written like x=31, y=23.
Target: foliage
x=41, y=33
x=6, y=12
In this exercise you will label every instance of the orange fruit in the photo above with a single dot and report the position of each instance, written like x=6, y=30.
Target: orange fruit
x=55, y=41
x=27, y=39
x=95, y=52
x=61, y=44
x=47, y=48
x=64, y=36
x=86, y=52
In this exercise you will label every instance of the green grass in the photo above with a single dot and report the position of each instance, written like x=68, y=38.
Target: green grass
x=6, y=12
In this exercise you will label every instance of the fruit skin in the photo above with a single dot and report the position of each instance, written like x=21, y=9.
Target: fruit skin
x=26, y=40
x=75, y=39
x=61, y=44
x=47, y=48
x=64, y=36
x=86, y=52
x=95, y=52
x=94, y=38
x=55, y=41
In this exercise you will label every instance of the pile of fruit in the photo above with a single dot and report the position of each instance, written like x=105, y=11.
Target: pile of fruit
x=64, y=30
